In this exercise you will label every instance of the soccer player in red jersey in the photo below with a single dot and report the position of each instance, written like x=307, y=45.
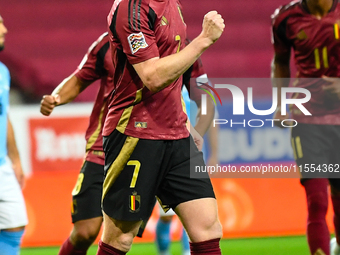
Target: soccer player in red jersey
x=147, y=146
x=311, y=28
x=86, y=207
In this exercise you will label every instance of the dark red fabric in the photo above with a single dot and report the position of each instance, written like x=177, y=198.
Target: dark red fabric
x=105, y=249
x=211, y=247
x=317, y=202
x=68, y=249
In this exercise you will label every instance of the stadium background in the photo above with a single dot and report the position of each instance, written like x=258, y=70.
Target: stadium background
x=47, y=40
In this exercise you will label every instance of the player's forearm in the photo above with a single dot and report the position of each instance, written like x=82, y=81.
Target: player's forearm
x=158, y=73
x=203, y=122
x=69, y=89
x=12, y=149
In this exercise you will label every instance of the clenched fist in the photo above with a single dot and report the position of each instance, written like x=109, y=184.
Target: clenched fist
x=213, y=26
x=48, y=103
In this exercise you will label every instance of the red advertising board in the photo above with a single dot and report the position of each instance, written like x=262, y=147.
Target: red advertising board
x=57, y=143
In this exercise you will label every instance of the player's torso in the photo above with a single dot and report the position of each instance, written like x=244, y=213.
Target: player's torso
x=94, y=139
x=151, y=115
x=316, y=42
x=4, y=101
x=316, y=45
x=169, y=26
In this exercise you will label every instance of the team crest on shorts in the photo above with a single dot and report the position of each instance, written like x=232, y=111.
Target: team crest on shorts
x=136, y=42
x=134, y=202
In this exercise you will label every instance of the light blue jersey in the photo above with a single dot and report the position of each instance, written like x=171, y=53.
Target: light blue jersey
x=186, y=99
x=4, y=102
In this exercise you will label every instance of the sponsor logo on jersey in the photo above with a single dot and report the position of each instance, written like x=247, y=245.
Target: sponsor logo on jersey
x=136, y=42
x=141, y=124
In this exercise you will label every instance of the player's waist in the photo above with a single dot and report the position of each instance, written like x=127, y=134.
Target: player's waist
x=95, y=156
x=166, y=134
x=142, y=131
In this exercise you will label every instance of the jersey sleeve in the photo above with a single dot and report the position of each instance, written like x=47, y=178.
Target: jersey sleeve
x=132, y=28
x=280, y=41
x=92, y=67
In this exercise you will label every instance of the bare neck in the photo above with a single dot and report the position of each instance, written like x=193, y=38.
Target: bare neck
x=319, y=8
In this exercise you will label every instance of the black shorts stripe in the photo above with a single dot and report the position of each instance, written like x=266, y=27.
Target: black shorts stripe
x=119, y=163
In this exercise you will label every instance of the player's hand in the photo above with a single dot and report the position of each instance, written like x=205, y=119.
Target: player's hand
x=48, y=103
x=213, y=26
x=197, y=138
x=19, y=174
x=279, y=118
x=333, y=89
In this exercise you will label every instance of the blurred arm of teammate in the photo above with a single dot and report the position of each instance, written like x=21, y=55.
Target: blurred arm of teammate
x=13, y=154
x=333, y=89
x=203, y=122
x=64, y=93
x=198, y=139
x=157, y=73
x=280, y=69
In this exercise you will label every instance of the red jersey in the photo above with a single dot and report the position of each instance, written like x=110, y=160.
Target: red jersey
x=316, y=45
x=97, y=64
x=141, y=30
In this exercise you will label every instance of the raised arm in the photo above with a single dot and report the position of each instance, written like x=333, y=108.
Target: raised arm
x=157, y=73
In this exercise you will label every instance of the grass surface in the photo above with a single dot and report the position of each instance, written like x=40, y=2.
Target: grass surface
x=295, y=245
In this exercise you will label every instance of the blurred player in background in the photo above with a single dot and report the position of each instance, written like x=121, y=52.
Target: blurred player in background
x=13, y=218
x=86, y=206
x=193, y=76
x=311, y=28
x=147, y=146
